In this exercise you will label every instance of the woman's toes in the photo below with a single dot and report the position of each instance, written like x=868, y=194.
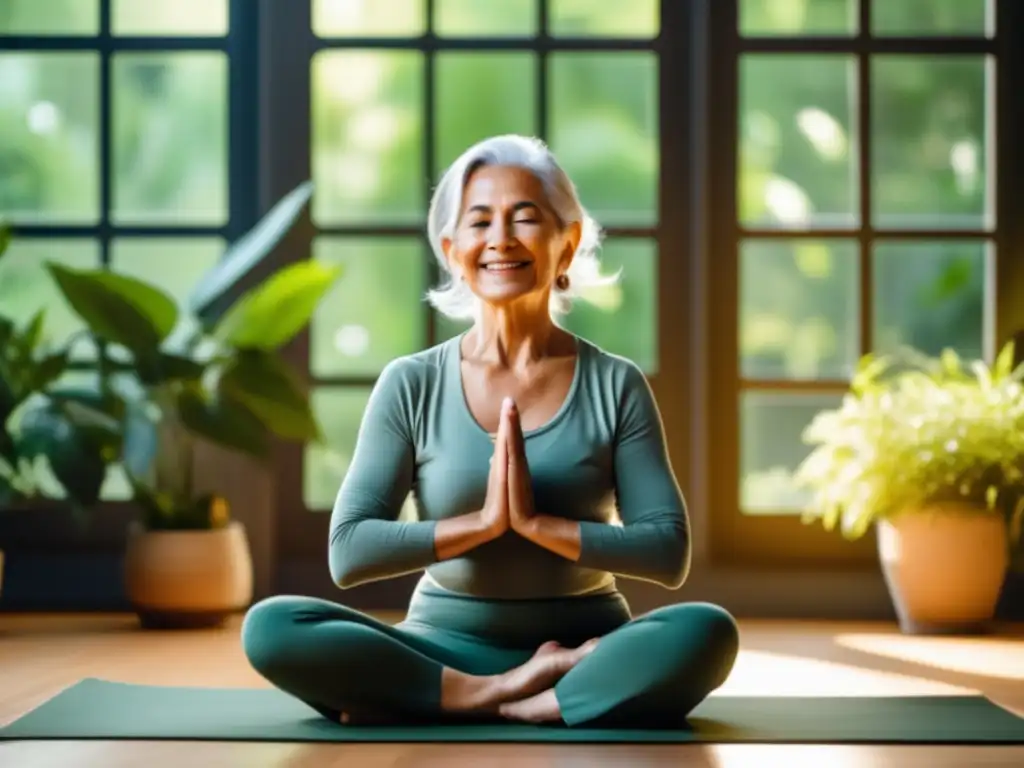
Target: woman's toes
x=549, y=647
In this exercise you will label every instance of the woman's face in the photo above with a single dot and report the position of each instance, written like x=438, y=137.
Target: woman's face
x=508, y=244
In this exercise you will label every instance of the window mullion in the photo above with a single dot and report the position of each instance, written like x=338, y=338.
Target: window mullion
x=866, y=276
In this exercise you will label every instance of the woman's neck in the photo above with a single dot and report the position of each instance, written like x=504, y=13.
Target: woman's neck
x=512, y=336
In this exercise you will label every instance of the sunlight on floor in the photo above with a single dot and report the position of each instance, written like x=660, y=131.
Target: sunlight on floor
x=761, y=673
x=799, y=756
x=999, y=658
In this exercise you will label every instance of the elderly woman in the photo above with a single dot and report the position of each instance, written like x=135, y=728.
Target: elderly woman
x=539, y=469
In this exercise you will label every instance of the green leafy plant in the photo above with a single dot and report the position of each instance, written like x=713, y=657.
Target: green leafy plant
x=43, y=426
x=915, y=431
x=174, y=379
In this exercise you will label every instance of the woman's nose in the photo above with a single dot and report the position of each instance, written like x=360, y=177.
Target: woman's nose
x=500, y=237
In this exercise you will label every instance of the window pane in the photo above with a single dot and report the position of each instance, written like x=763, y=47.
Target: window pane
x=604, y=129
x=932, y=158
x=481, y=95
x=369, y=18
x=956, y=18
x=799, y=309
x=585, y=18
x=772, y=447
x=49, y=121
x=49, y=17
x=169, y=17
x=175, y=265
x=798, y=141
x=798, y=17
x=170, y=138
x=26, y=285
x=623, y=318
x=340, y=412
x=468, y=18
x=932, y=295
x=375, y=312
x=368, y=137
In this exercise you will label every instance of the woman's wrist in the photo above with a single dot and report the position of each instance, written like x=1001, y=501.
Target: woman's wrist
x=555, y=534
x=455, y=536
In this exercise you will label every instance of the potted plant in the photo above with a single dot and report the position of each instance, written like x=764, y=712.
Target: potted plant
x=931, y=452
x=47, y=448
x=187, y=562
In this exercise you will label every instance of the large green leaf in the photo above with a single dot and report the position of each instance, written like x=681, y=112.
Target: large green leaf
x=31, y=336
x=10, y=370
x=272, y=313
x=48, y=369
x=117, y=308
x=141, y=437
x=8, y=450
x=163, y=368
x=8, y=398
x=265, y=385
x=223, y=421
x=5, y=239
x=75, y=457
x=210, y=297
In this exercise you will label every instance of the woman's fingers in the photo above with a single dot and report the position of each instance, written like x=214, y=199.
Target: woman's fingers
x=514, y=435
x=501, y=441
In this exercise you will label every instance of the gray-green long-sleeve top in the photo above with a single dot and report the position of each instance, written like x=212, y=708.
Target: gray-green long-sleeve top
x=601, y=460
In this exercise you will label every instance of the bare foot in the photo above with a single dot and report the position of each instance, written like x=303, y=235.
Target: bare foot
x=469, y=694
x=550, y=662
x=542, y=708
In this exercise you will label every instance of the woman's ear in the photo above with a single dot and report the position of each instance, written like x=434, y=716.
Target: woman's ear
x=573, y=234
x=446, y=249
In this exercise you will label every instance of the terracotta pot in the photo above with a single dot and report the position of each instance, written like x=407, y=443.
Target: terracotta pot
x=190, y=578
x=945, y=566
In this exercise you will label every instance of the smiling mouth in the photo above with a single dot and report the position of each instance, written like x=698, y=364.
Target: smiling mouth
x=505, y=266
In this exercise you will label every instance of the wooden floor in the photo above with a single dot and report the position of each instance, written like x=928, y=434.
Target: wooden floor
x=40, y=655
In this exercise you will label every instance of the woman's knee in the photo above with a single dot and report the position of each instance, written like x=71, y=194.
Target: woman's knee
x=710, y=632
x=269, y=632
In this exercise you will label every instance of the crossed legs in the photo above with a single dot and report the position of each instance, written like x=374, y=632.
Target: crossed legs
x=354, y=668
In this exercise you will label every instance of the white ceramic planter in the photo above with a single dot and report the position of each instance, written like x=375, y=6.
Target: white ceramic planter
x=188, y=579
x=945, y=566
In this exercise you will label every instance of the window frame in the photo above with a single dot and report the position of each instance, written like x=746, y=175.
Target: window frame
x=52, y=533
x=783, y=542
x=301, y=536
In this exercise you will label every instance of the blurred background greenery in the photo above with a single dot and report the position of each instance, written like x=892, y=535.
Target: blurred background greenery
x=798, y=159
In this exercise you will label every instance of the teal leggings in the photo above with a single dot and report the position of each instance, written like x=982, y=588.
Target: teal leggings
x=645, y=672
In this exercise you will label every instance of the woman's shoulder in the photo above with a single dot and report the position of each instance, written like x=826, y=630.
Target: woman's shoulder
x=610, y=370
x=413, y=373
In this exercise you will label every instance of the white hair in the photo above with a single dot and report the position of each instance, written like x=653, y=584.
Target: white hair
x=454, y=297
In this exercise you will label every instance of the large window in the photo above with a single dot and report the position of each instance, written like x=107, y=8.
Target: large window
x=857, y=214
x=115, y=147
x=395, y=94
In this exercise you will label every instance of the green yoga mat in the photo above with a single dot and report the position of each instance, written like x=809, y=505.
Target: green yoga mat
x=99, y=709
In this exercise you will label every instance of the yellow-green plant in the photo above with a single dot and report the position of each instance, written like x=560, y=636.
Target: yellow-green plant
x=915, y=430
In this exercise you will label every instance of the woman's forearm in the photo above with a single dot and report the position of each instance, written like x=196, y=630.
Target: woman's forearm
x=555, y=534
x=657, y=552
x=455, y=536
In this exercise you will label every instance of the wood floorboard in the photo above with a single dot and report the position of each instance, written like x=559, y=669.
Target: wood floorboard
x=41, y=654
